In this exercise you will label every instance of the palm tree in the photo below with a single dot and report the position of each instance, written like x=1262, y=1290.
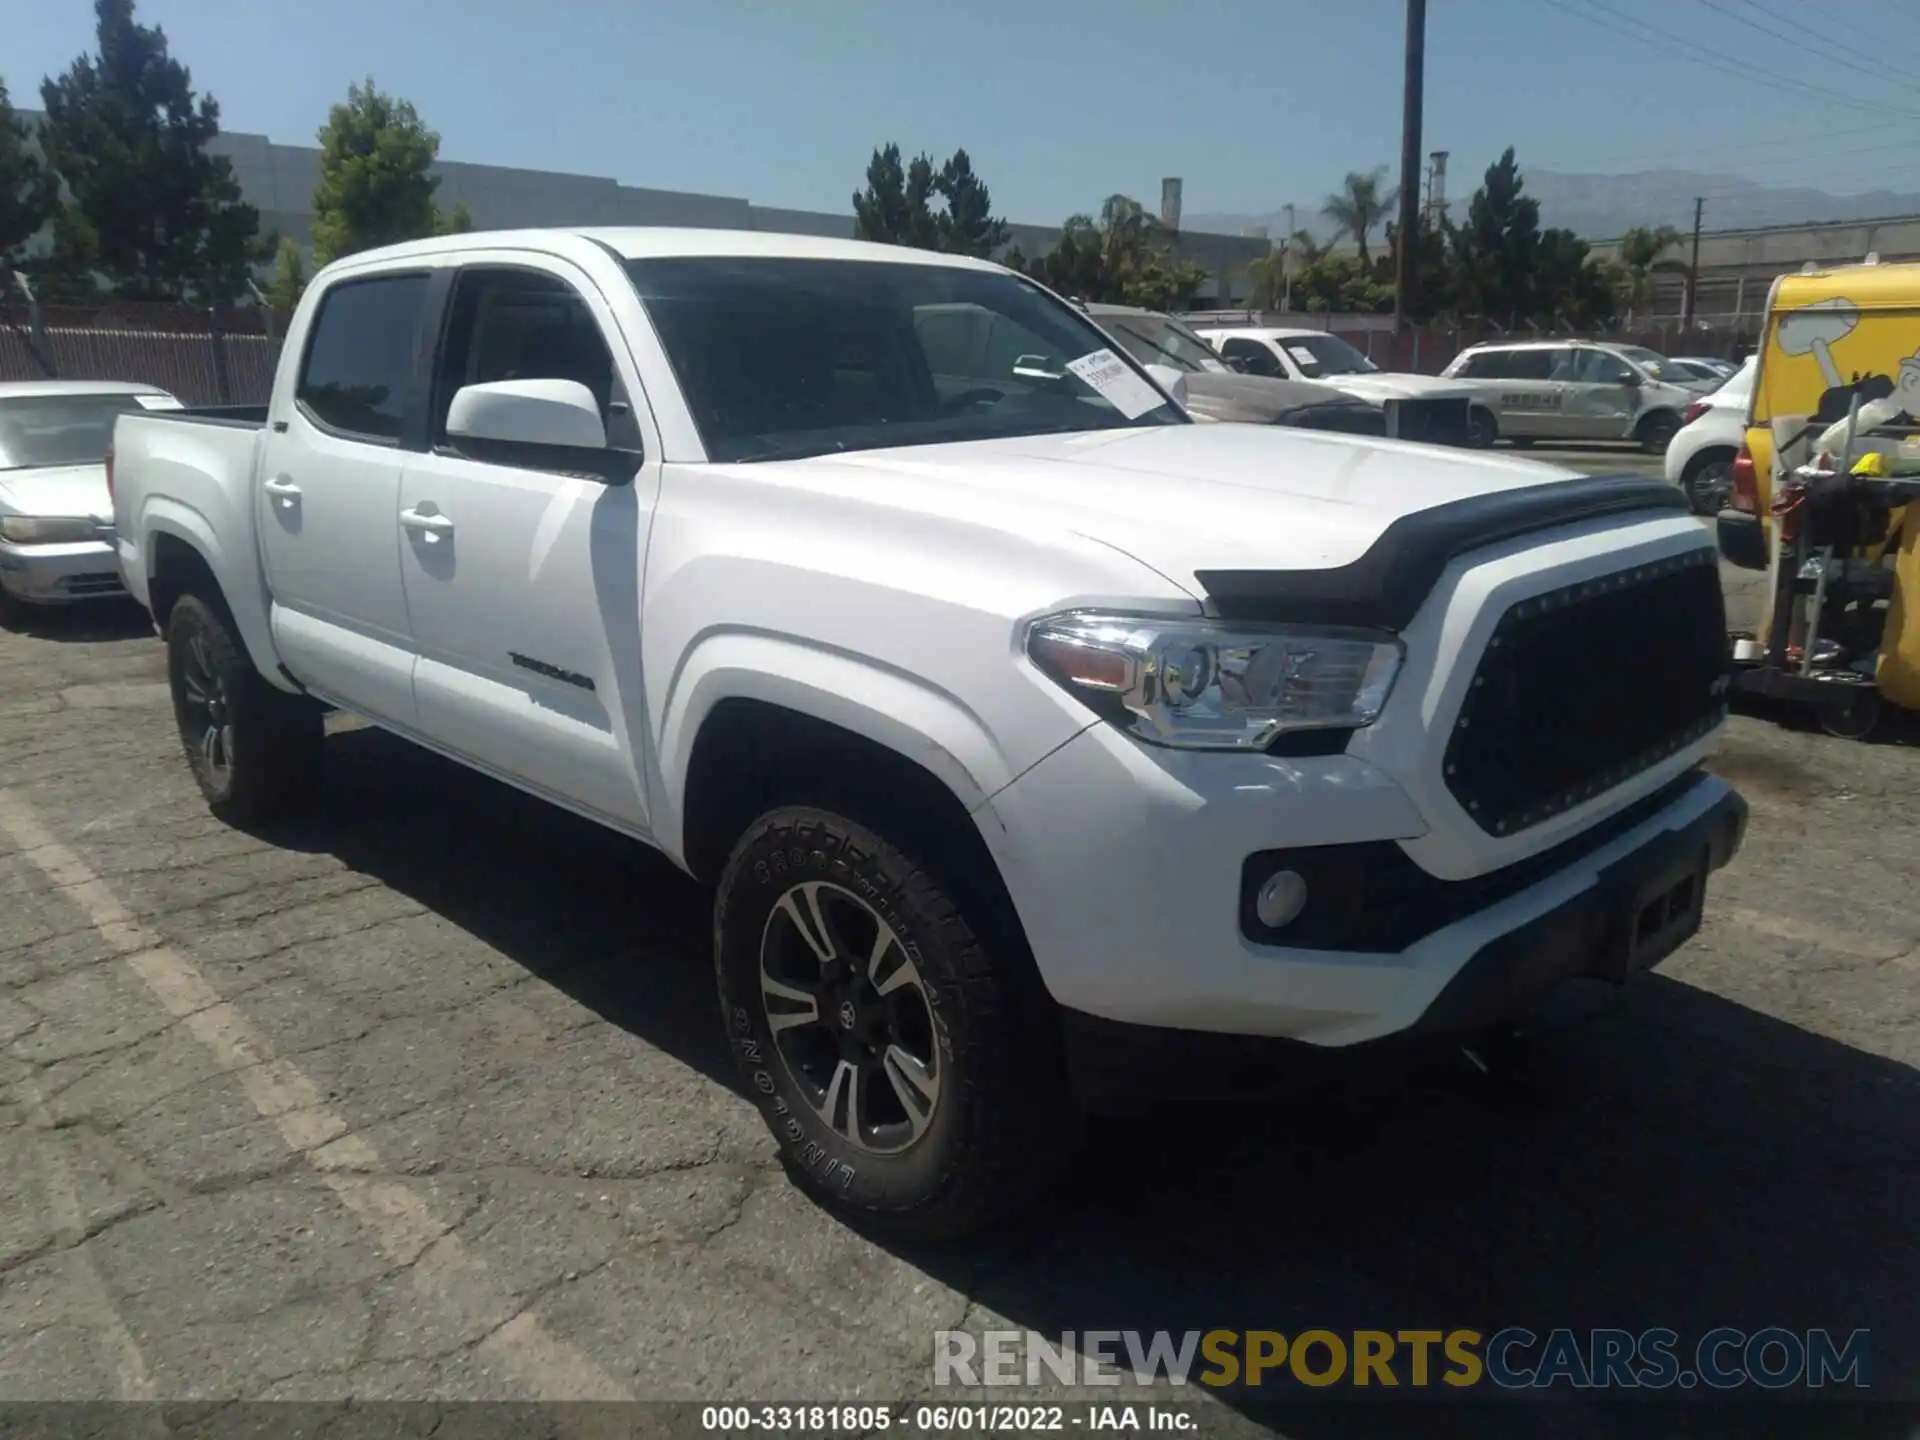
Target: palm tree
x=1639, y=254
x=1360, y=206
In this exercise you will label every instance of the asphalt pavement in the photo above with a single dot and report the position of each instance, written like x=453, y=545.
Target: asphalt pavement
x=425, y=1095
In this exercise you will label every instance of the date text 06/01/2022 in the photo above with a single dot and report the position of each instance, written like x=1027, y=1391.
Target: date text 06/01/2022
x=943, y=1419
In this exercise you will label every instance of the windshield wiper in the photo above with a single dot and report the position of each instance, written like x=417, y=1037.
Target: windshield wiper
x=1186, y=365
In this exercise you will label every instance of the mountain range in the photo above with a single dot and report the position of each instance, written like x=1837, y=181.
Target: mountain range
x=1602, y=207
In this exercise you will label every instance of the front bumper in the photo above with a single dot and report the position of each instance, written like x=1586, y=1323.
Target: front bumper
x=1128, y=866
x=60, y=574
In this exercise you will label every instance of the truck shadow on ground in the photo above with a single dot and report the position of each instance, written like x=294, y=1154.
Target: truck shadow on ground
x=1678, y=1161
x=96, y=620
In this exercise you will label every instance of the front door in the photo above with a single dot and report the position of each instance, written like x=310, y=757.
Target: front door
x=1603, y=397
x=329, y=487
x=524, y=583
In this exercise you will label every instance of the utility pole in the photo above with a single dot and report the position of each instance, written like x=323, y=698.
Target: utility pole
x=1409, y=223
x=1693, y=265
x=1286, y=267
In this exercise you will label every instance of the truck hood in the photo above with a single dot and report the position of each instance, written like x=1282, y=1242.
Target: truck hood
x=57, y=490
x=1381, y=388
x=1179, y=498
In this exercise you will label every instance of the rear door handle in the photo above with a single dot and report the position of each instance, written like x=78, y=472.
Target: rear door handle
x=281, y=488
x=432, y=524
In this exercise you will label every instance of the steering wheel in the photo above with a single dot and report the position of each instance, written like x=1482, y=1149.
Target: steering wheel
x=979, y=395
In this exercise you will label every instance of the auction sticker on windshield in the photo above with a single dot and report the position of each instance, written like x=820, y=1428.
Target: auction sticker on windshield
x=1119, y=385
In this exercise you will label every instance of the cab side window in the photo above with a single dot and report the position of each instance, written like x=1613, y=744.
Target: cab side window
x=508, y=324
x=1597, y=367
x=357, y=374
x=1530, y=364
x=1255, y=358
x=1488, y=365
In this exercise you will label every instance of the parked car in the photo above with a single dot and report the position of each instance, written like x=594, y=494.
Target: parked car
x=1707, y=367
x=1574, y=390
x=1002, y=705
x=1700, y=459
x=1215, y=391
x=1435, y=407
x=56, y=537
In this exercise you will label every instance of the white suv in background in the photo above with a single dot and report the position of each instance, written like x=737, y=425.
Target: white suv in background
x=1700, y=459
x=1574, y=390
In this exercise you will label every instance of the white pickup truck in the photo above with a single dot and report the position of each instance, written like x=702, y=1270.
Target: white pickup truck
x=1002, y=704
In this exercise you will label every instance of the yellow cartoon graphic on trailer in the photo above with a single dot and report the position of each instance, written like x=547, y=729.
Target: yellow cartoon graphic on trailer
x=1831, y=336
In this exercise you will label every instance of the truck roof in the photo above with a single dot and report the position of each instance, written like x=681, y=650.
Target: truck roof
x=24, y=389
x=636, y=242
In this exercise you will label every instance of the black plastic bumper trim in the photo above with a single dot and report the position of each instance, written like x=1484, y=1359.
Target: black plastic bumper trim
x=1742, y=541
x=1386, y=586
x=1588, y=936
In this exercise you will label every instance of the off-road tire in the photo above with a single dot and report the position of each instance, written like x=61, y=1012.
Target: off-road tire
x=1004, y=1127
x=273, y=739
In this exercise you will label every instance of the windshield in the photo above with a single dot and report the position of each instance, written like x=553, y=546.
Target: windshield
x=1320, y=355
x=1658, y=365
x=1156, y=340
x=37, y=430
x=783, y=358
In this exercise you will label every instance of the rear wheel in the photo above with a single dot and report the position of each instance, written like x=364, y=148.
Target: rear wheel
x=1855, y=720
x=1709, y=483
x=879, y=1033
x=252, y=748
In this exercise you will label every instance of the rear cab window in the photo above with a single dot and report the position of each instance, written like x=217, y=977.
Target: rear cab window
x=356, y=376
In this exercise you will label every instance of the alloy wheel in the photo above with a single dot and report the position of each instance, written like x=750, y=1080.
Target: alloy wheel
x=209, y=711
x=850, y=1016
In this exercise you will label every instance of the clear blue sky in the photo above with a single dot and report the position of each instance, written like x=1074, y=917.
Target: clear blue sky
x=1060, y=102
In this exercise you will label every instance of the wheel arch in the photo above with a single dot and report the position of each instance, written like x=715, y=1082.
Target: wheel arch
x=750, y=754
x=183, y=554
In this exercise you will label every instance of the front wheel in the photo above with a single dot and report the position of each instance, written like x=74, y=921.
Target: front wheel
x=1482, y=428
x=879, y=1033
x=251, y=747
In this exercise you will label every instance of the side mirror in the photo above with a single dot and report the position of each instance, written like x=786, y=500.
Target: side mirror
x=549, y=413
x=1630, y=380
x=1173, y=381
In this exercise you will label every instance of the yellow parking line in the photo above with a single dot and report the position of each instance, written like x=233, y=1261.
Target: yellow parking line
x=400, y=1217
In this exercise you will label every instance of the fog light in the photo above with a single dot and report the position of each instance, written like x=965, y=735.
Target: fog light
x=1281, y=899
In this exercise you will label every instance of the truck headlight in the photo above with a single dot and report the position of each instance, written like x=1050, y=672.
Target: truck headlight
x=1209, y=685
x=44, y=530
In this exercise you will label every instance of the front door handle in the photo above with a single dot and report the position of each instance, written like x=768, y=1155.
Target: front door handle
x=281, y=488
x=430, y=523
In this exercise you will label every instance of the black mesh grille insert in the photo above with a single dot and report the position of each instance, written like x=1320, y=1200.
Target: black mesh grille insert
x=1587, y=686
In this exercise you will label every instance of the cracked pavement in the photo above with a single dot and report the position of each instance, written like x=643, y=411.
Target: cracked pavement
x=424, y=1096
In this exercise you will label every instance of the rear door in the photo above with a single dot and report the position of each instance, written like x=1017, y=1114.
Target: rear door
x=523, y=577
x=1531, y=397
x=329, y=486
x=1603, y=396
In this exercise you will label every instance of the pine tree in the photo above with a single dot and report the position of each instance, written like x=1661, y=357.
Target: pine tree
x=376, y=177
x=151, y=209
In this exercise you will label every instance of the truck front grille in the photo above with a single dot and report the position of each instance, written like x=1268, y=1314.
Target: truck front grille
x=1583, y=688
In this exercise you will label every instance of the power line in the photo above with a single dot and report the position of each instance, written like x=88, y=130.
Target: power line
x=1898, y=17
x=1755, y=147
x=1880, y=73
x=1712, y=59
